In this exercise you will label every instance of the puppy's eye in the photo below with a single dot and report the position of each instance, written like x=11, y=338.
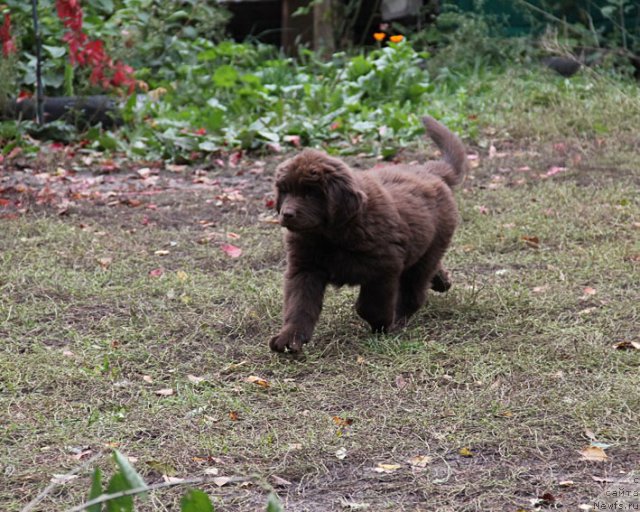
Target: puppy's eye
x=312, y=192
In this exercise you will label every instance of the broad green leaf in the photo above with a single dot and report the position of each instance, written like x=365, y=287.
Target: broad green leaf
x=196, y=501
x=128, y=471
x=118, y=483
x=96, y=490
x=225, y=76
x=273, y=505
x=55, y=51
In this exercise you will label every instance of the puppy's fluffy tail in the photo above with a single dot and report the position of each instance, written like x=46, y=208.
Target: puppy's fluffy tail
x=452, y=150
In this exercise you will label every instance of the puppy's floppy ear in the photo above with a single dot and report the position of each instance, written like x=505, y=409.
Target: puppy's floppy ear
x=345, y=198
x=281, y=172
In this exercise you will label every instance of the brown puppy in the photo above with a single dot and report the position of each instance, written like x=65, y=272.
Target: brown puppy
x=385, y=230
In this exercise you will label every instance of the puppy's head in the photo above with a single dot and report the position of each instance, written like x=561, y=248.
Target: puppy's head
x=315, y=192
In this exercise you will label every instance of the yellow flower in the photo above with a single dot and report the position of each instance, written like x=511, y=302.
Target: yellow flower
x=396, y=39
x=379, y=36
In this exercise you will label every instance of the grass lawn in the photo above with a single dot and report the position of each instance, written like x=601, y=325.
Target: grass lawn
x=484, y=402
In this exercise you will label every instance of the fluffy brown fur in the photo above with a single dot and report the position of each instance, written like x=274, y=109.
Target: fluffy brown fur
x=385, y=230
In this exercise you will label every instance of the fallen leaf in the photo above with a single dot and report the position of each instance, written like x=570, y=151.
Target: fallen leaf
x=465, y=452
x=279, y=482
x=62, y=479
x=531, y=241
x=341, y=453
x=161, y=252
x=182, y=275
x=386, y=468
x=566, y=483
x=164, y=392
x=105, y=262
x=593, y=454
x=172, y=479
x=420, y=461
x=211, y=471
x=221, y=480
x=401, y=383
x=263, y=383
x=231, y=250
x=195, y=380
x=342, y=422
x=144, y=172
x=553, y=170
x=295, y=446
x=147, y=379
x=232, y=367
x=604, y=479
x=627, y=345
x=156, y=272
x=540, y=289
x=293, y=139
x=234, y=416
x=352, y=505
x=588, y=292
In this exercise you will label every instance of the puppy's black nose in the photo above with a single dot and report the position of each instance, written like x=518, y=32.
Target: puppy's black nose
x=288, y=214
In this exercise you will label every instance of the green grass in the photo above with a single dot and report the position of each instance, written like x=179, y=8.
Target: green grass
x=515, y=363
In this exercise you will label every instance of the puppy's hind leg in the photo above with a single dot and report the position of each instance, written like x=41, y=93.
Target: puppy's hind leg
x=377, y=302
x=414, y=283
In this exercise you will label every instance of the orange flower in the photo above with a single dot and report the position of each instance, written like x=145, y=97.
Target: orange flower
x=379, y=36
x=396, y=39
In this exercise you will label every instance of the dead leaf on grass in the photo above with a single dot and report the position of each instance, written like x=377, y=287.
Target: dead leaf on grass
x=386, y=468
x=182, y=276
x=627, y=345
x=62, y=479
x=279, y=481
x=172, y=479
x=420, y=461
x=211, y=471
x=164, y=392
x=232, y=367
x=161, y=252
x=540, y=289
x=105, y=262
x=531, y=241
x=234, y=416
x=352, y=505
x=465, y=452
x=341, y=453
x=401, y=383
x=588, y=292
x=566, y=483
x=231, y=250
x=156, y=272
x=553, y=170
x=147, y=379
x=263, y=383
x=342, y=422
x=195, y=380
x=593, y=454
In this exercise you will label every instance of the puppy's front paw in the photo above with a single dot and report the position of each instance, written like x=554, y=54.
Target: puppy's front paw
x=286, y=341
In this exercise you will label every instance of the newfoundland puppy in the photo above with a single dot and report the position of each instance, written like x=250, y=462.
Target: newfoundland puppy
x=385, y=230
